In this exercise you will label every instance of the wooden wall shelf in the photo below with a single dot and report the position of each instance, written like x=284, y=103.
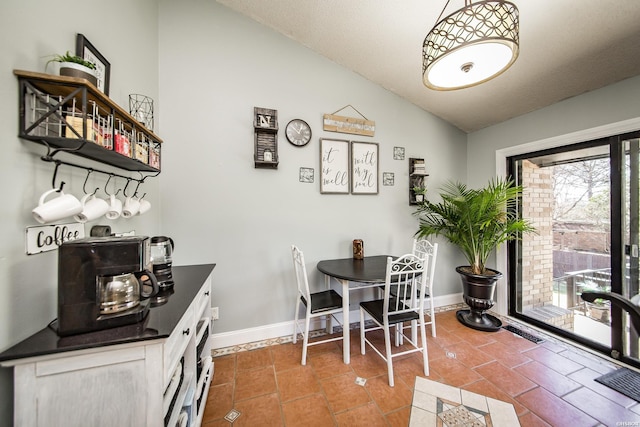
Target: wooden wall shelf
x=46, y=117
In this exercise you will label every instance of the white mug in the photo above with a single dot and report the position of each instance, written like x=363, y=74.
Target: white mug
x=144, y=206
x=131, y=207
x=115, y=207
x=63, y=206
x=92, y=208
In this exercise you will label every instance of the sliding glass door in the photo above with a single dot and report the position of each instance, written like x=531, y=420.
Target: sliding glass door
x=584, y=201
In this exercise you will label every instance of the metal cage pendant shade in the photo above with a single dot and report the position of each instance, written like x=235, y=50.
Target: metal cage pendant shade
x=470, y=46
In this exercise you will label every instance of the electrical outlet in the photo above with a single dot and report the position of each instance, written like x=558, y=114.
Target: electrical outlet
x=214, y=313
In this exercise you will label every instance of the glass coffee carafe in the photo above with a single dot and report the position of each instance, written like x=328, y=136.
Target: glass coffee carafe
x=161, y=258
x=124, y=291
x=118, y=293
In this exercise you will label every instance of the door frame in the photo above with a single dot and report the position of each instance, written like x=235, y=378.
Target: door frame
x=596, y=133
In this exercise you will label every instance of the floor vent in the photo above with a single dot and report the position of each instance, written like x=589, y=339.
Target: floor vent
x=523, y=334
x=623, y=381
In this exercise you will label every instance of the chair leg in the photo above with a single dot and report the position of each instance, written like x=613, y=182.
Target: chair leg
x=433, y=317
x=425, y=354
x=387, y=344
x=295, y=321
x=305, y=341
x=362, y=343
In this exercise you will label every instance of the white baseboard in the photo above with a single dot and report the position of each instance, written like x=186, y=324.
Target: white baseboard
x=284, y=329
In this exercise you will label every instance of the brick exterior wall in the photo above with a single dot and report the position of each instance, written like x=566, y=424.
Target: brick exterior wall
x=537, y=249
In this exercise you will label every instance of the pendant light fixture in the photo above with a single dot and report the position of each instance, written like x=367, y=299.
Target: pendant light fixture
x=470, y=46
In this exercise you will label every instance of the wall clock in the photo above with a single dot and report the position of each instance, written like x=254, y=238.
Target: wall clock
x=298, y=132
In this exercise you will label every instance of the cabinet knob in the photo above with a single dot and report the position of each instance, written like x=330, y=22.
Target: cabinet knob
x=207, y=293
x=186, y=332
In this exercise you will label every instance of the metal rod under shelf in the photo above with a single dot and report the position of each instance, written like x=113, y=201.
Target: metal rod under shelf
x=87, y=168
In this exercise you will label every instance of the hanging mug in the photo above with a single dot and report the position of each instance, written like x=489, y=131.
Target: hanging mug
x=115, y=207
x=131, y=207
x=92, y=208
x=144, y=206
x=63, y=206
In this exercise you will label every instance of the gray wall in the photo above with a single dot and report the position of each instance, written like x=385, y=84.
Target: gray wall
x=30, y=33
x=213, y=70
x=611, y=104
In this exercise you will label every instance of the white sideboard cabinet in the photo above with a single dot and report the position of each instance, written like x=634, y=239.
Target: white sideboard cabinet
x=154, y=373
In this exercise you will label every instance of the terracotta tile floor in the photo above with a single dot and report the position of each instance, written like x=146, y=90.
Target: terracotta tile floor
x=549, y=384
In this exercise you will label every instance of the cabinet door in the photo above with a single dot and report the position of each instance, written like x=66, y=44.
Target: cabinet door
x=110, y=395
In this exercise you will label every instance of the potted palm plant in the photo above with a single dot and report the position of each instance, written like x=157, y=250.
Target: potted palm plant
x=477, y=221
x=75, y=66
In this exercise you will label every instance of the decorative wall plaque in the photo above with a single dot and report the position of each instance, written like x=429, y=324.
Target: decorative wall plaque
x=45, y=238
x=265, y=128
x=357, y=126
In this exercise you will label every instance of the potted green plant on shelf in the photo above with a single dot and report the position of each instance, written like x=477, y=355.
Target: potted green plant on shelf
x=420, y=193
x=477, y=221
x=75, y=66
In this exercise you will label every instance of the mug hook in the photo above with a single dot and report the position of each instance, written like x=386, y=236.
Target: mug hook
x=135, y=193
x=53, y=181
x=105, y=187
x=84, y=186
x=124, y=191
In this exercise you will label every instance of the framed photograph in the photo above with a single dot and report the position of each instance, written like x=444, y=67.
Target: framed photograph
x=334, y=166
x=364, y=167
x=306, y=175
x=87, y=51
x=388, y=178
x=398, y=153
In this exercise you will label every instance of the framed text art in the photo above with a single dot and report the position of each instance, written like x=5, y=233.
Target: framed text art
x=86, y=51
x=364, y=167
x=334, y=166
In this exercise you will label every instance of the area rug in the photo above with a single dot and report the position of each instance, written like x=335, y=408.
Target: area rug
x=623, y=381
x=437, y=404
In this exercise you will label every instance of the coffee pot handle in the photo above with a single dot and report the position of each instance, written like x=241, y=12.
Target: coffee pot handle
x=150, y=281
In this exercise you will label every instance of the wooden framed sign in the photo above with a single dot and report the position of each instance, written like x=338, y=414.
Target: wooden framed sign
x=334, y=166
x=364, y=167
x=352, y=125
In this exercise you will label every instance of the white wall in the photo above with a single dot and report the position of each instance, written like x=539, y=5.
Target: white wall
x=30, y=33
x=215, y=66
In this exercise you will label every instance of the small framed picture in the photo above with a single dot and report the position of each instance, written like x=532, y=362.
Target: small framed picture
x=398, y=153
x=306, y=175
x=388, y=178
x=88, y=52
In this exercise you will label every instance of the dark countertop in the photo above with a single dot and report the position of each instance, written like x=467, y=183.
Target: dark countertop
x=159, y=323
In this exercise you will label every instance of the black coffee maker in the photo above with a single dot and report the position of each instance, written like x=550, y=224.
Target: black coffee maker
x=103, y=283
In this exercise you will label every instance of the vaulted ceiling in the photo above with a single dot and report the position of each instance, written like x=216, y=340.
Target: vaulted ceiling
x=567, y=47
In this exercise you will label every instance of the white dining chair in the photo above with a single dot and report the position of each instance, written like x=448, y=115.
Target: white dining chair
x=318, y=304
x=428, y=251
x=400, y=304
